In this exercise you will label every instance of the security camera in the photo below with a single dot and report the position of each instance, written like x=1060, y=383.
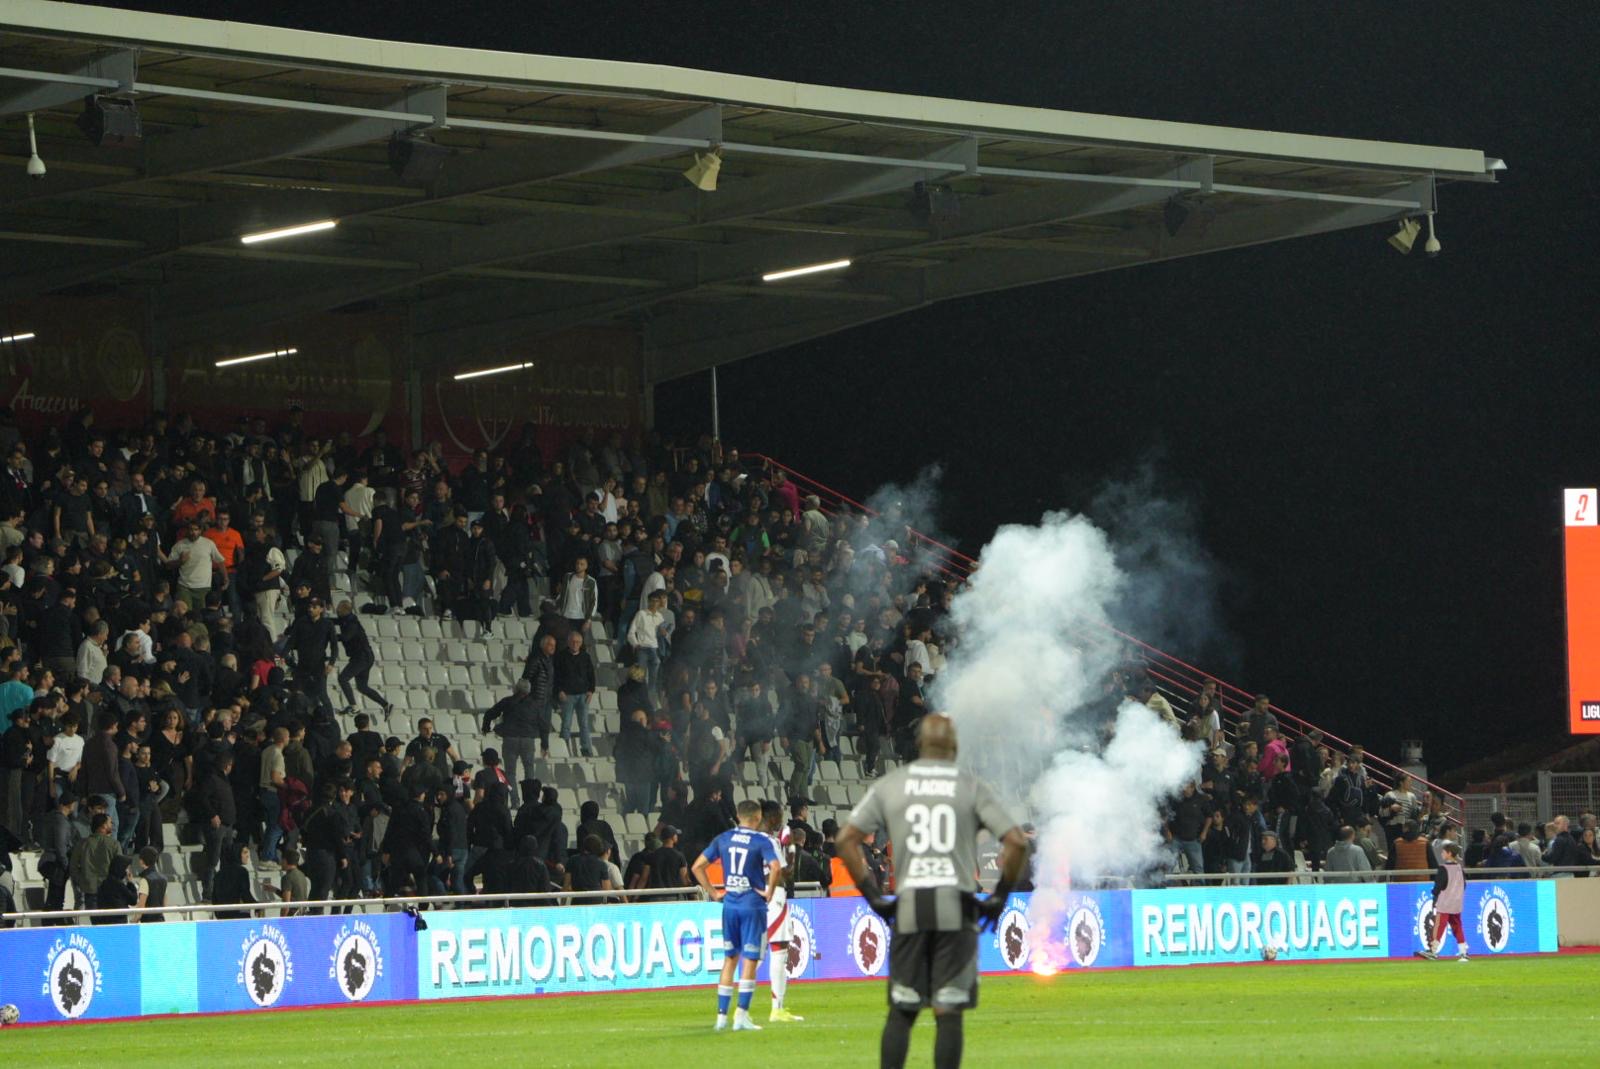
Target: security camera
x=1431, y=246
x=35, y=164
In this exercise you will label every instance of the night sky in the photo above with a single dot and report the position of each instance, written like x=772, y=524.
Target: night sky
x=1375, y=444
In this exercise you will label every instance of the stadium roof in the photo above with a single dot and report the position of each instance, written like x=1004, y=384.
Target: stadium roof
x=561, y=200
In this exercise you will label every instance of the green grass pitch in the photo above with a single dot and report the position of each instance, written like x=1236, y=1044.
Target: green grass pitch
x=1513, y=1011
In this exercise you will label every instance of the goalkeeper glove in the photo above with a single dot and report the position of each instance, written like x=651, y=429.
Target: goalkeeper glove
x=990, y=909
x=882, y=906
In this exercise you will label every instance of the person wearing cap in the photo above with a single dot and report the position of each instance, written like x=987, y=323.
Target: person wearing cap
x=311, y=568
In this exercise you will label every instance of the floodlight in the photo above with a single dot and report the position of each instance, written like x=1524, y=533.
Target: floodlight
x=703, y=174
x=1403, y=238
x=10, y=339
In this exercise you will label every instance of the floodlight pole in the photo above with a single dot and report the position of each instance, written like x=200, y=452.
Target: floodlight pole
x=716, y=413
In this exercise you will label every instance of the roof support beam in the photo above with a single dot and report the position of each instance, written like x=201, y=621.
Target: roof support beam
x=459, y=324
x=695, y=338
x=463, y=175
x=41, y=90
x=236, y=144
x=523, y=238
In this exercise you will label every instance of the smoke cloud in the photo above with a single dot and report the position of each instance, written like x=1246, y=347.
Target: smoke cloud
x=1029, y=685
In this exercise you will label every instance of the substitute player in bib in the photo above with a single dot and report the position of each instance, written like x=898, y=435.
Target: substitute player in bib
x=932, y=812
x=750, y=873
x=779, y=926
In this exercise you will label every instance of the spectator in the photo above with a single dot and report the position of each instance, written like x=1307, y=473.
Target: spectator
x=1346, y=856
x=91, y=861
x=1527, y=849
x=118, y=890
x=359, y=660
x=1409, y=852
x=1273, y=859
x=522, y=724
x=1190, y=816
x=574, y=681
x=589, y=871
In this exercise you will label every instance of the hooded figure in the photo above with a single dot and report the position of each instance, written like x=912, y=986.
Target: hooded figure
x=116, y=892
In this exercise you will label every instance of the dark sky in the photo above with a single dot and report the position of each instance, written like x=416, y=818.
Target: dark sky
x=1376, y=444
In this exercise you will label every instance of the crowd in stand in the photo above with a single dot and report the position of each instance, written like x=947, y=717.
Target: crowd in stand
x=144, y=677
x=1259, y=799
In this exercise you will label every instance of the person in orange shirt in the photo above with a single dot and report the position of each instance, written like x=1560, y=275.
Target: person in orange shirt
x=230, y=543
x=189, y=509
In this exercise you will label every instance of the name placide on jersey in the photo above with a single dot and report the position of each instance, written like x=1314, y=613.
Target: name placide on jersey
x=931, y=788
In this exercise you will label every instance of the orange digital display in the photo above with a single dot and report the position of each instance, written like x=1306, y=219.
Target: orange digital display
x=1583, y=612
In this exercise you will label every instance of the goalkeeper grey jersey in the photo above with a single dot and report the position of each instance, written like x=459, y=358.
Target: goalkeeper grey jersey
x=932, y=812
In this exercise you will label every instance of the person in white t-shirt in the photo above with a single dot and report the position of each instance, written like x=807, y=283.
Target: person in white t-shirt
x=197, y=560
x=66, y=753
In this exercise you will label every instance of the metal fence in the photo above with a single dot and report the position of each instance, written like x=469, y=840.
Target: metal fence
x=1518, y=807
x=1568, y=793
x=417, y=904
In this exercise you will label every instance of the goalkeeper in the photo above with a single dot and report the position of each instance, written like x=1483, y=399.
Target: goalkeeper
x=932, y=812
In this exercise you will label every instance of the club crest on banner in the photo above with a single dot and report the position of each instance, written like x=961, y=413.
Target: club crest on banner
x=869, y=942
x=72, y=977
x=357, y=960
x=1496, y=921
x=1423, y=918
x=1086, y=933
x=802, y=943
x=265, y=966
x=1011, y=938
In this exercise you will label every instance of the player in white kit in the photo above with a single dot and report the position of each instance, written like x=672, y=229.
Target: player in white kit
x=779, y=924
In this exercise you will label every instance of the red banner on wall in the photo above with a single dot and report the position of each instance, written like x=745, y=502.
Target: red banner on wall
x=580, y=379
x=83, y=353
x=346, y=373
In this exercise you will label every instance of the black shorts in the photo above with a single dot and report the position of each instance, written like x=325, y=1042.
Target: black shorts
x=938, y=969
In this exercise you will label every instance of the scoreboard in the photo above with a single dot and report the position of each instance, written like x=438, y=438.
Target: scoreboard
x=1582, y=536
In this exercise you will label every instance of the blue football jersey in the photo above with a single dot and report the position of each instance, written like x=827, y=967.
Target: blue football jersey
x=745, y=854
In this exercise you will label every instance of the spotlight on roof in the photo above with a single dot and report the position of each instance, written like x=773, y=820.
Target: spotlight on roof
x=111, y=122
x=703, y=173
x=10, y=339
x=935, y=204
x=1431, y=246
x=288, y=231
x=35, y=164
x=492, y=371
x=416, y=159
x=232, y=360
x=811, y=269
x=1405, y=237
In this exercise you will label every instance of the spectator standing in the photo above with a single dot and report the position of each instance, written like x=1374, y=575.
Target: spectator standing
x=197, y=559
x=574, y=685
x=521, y=723
x=1346, y=856
x=91, y=861
x=540, y=672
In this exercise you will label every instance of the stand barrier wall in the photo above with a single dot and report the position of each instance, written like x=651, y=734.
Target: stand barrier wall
x=128, y=970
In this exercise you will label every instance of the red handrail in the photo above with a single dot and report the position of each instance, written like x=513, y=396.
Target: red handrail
x=1178, y=674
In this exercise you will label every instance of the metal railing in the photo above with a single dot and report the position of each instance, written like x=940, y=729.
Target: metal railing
x=484, y=900
x=1178, y=680
x=1181, y=879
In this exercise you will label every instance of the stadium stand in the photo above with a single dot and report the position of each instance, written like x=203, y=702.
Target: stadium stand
x=361, y=681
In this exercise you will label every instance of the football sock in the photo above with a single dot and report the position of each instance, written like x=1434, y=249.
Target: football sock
x=947, y=1042
x=746, y=989
x=780, y=976
x=724, y=996
x=896, y=1038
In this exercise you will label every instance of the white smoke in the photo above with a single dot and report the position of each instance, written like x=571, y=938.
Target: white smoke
x=1027, y=685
